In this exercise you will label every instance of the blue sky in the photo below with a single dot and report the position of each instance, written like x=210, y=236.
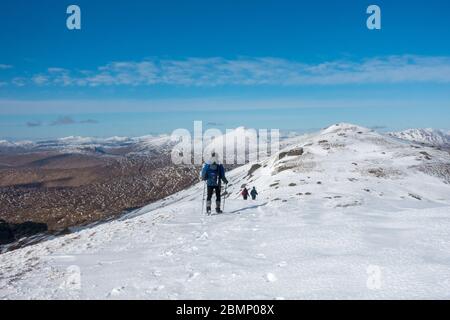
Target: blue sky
x=140, y=67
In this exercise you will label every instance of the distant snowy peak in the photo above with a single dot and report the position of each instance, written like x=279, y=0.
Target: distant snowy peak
x=427, y=136
x=18, y=144
x=5, y=143
x=344, y=127
x=345, y=152
x=151, y=143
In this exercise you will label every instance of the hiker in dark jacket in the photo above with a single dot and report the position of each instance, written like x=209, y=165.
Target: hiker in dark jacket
x=213, y=173
x=244, y=193
x=253, y=193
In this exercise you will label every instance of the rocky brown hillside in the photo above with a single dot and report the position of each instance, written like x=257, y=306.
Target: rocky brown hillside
x=62, y=190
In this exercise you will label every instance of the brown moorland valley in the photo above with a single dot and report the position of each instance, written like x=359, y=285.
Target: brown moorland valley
x=53, y=190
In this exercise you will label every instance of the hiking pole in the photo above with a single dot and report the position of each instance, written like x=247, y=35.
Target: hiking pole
x=224, y=197
x=203, y=197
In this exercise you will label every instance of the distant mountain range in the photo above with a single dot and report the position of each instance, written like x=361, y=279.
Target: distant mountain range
x=163, y=142
x=427, y=136
x=76, y=144
x=144, y=145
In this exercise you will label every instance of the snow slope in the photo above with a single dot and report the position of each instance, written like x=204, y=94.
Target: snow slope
x=427, y=136
x=334, y=209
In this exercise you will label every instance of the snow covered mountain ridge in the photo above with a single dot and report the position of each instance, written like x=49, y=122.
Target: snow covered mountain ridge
x=142, y=144
x=428, y=136
x=77, y=144
x=332, y=206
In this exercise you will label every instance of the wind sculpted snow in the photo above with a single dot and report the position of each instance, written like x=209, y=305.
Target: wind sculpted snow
x=351, y=202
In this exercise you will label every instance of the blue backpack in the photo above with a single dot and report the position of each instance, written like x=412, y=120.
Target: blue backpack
x=211, y=173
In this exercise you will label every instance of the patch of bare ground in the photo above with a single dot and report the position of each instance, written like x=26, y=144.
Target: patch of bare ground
x=385, y=173
x=439, y=170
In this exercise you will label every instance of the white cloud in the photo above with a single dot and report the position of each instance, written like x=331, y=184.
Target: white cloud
x=5, y=66
x=216, y=71
x=19, y=81
x=40, y=79
x=57, y=70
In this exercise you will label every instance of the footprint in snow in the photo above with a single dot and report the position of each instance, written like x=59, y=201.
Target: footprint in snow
x=282, y=264
x=270, y=277
x=155, y=289
x=203, y=237
x=167, y=253
x=193, y=275
x=157, y=273
x=116, y=291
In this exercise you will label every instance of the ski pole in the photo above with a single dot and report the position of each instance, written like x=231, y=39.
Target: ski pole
x=224, y=197
x=203, y=197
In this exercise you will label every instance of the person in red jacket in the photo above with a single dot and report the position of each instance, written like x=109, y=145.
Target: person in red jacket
x=244, y=193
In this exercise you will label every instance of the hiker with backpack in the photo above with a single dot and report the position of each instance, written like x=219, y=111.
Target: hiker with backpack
x=213, y=173
x=244, y=193
x=253, y=193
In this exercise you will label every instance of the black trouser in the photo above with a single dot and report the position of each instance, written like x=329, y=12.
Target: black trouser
x=212, y=190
